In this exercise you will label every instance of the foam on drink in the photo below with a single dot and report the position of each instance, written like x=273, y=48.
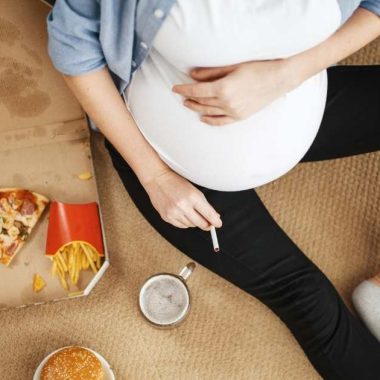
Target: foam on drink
x=164, y=299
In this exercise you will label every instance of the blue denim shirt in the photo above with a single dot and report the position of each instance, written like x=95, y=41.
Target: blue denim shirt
x=87, y=35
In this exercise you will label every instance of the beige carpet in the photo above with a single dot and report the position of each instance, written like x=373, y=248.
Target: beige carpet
x=330, y=209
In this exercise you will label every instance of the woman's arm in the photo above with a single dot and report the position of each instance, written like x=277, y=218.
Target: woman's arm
x=226, y=94
x=177, y=200
x=358, y=31
x=76, y=51
x=99, y=97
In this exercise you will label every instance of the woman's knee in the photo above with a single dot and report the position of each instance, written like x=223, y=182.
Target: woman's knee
x=308, y=303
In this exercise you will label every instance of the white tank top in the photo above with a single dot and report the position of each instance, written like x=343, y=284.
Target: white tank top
x=207, y=33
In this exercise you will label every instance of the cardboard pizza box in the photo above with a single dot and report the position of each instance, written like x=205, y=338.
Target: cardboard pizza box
x=44, y=145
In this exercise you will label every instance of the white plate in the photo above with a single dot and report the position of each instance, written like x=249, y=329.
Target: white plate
x=109, y=375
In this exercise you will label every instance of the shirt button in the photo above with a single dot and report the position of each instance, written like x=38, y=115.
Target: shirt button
x=143, y=44
x=159, y=13
x=134, y=64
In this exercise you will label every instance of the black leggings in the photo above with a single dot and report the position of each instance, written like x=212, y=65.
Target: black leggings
x=257, y=255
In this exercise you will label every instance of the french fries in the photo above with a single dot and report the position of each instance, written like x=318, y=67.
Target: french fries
x=85, y=176
x=72, y=258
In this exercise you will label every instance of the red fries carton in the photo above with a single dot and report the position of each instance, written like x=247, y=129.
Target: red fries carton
x=73, y=222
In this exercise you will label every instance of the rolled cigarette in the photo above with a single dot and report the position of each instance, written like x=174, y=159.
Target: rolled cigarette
x=214, y=239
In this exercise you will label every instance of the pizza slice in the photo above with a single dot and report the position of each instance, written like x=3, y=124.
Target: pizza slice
x=20, y=210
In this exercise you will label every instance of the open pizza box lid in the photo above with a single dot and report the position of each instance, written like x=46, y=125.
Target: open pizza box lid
x=44, y=146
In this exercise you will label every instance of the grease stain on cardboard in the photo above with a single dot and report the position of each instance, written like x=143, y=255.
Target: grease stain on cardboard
x=9, y=32
x=19, y=88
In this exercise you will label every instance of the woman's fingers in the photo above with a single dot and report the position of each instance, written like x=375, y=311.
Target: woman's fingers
x=184, y=219
x=203, y=109
x=208, y=212
x=179, y=219
x=212, y=101
x=211, y=73
x=217, y=120
x=180, y=203
x=191, y=219
x=198, y=220
x=179, y=224
x=197, y=89
x=199, y=214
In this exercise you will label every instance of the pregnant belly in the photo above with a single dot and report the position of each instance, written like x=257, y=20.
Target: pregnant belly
x=232, y=157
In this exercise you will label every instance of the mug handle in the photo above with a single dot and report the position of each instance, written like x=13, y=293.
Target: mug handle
x=187, y=271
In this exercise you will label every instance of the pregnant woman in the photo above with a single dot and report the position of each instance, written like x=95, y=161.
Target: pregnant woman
x=200, y=102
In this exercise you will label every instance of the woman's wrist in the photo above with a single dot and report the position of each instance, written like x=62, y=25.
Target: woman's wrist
x=298, y=68
x=291, y=74
x=151, y=173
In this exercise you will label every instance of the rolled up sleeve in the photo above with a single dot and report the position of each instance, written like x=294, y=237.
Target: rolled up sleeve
x=73, y=36
x=371, y=5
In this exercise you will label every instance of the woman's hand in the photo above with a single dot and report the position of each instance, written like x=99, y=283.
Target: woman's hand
x=180, y=203
x=226, y=94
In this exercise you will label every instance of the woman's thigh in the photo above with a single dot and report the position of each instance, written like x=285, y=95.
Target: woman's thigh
x=257, y=256
x=351, y=122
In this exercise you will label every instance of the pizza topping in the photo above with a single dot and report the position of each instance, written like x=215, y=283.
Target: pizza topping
x=27, y=208
x=24, y=233
x=6, y=239
x=13, y=232
x=18, y=224
x=23, y=230
x=24, y=219
x=16, y=204
x=8, y=222
x=4, y=204
x=14, y=201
